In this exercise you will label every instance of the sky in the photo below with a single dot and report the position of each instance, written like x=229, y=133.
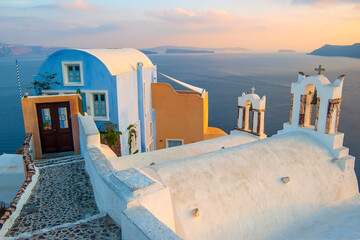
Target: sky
x=260, y=25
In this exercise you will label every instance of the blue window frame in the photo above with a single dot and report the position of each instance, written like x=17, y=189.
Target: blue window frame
x=74, y=73
x=99, y=105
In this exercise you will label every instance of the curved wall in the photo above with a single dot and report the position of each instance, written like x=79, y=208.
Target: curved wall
x=239, y=190
x=93, y=70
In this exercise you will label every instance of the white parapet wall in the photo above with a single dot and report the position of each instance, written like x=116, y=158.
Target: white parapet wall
x=132, y=190
x=12, y=176
x=253, y=190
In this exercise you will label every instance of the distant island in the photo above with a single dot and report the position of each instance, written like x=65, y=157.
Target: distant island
x=18, y=49
x=171, y=50
x=338, y=51
x=163, y=49
x=286, y=51
x=147, y=51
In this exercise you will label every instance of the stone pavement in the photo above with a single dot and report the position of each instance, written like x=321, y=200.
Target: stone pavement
x=62, y=205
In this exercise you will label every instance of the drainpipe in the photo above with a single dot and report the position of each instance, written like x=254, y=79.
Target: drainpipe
x=141, y=104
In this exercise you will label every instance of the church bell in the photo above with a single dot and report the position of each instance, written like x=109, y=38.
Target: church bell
x=314, y=100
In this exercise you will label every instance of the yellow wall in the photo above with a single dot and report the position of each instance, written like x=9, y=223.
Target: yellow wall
x=180, y=115
x=31, y=118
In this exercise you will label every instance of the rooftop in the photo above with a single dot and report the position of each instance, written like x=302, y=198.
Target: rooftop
x=120, y=60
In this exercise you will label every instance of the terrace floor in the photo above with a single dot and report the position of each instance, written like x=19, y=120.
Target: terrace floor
x=62, y=205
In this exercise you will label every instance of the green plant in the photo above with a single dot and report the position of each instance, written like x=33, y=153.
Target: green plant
x=39, y=86
x=132, y=137
x=111, y=135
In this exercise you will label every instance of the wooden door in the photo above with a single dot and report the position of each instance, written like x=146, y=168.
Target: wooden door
x=55, y=127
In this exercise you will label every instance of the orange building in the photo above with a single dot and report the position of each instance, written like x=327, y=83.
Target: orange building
x=53, y=123
x=181, y=117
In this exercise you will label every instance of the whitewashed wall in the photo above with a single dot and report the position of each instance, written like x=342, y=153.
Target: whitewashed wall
x=115, y=193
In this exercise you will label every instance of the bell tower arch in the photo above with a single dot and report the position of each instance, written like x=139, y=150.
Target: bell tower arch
x=251, y=114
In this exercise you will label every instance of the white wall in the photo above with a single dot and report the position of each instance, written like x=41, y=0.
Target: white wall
x=114, y=192
x=128, y=105
x=127, y=99
x=12, y=176
x=148, y=74
x=171, y=154
x=140, y=224
x=239, y=191
x=128, y=108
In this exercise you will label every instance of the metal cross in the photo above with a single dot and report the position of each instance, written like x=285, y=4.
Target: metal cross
x=320, y=69
x=252, y=90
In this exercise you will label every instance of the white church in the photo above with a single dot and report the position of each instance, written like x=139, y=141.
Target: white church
x=297, y=184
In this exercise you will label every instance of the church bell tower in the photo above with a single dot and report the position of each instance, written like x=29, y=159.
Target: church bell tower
x=315, y=109
x=251, y=114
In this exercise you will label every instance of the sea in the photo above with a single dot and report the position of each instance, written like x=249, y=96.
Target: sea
x=224, y=75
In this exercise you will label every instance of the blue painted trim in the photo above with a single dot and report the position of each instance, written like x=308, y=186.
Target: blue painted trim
x=154, y=127
x=141, y=105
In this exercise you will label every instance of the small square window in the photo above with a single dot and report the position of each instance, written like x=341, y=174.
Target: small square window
x=99, y=105
x=72, y=74
x=174, y=142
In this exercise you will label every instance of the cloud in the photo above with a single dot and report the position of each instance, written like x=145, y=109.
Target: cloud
x=13, y=2
x=323, y=3
x=180, y=16
x=176, y=15
x=357, y=6
x=76, y=5
x=54, y=28
x=93, y=29
x=180, y=22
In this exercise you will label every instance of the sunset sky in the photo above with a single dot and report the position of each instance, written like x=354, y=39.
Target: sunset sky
x=302, y=25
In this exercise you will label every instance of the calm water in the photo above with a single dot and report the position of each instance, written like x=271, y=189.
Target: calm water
x=224, y=76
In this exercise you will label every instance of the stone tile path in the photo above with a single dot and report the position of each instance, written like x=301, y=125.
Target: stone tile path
x=57, y=161
x=62, y=205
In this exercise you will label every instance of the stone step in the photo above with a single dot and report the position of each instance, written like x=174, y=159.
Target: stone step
x=59, y=160
x=62, y=206
x=280, y=131
x=348, y=157
x=341, y=152
x=50, y=163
